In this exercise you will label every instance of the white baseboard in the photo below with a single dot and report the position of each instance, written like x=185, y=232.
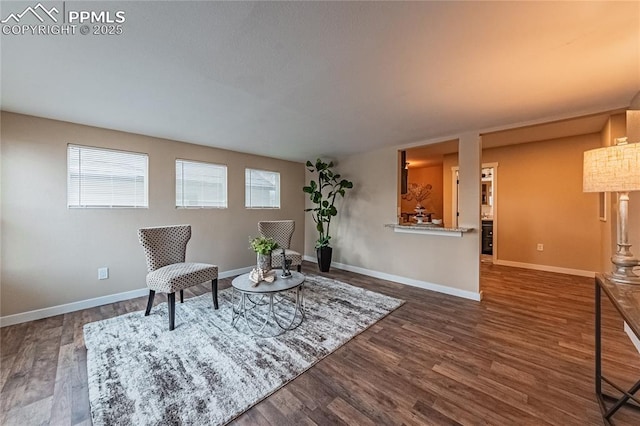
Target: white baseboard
x=70, y=307
x=234, y=272
x=632, y=336
x=403, y=280
x=546, y=268
x=91, y=303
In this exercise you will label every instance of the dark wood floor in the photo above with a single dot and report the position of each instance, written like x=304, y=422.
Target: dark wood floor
x=523, y=356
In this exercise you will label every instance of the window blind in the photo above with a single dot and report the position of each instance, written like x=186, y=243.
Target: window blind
x=262, y=189
x=201, y=184
x=106, y=178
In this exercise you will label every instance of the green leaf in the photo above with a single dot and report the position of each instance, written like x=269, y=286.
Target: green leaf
x=322, y=242
x=322, y=193
x=263, y=245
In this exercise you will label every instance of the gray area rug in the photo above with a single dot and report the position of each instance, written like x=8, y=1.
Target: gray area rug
x=206, y=372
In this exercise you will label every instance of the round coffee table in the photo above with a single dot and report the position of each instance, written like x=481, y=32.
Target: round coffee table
x=268, y=309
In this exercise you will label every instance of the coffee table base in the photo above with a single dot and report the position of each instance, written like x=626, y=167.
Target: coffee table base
x=248, y=309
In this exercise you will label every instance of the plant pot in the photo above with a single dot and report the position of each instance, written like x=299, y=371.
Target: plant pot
x=264, y=262
x=324, y=258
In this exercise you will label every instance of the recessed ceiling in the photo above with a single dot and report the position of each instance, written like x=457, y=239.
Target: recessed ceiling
x=430, y=155
x=593, y=123
x=433, y=154
x=298, y=80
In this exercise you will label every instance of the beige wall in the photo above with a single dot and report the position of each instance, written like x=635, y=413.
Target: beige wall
x=540, y=200
x=50, y=254
x=360, y=240
x=427, y=175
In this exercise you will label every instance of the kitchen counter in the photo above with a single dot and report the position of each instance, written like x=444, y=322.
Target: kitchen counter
x=428, y=229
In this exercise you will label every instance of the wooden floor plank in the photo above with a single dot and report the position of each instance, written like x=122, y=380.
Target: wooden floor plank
x=349, y=414
x=524, y=355
x=62, y=392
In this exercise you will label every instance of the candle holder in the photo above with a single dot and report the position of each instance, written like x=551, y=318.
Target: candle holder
x=286, y=266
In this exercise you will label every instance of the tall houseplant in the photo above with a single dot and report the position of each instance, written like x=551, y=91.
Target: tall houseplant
x=322, y=193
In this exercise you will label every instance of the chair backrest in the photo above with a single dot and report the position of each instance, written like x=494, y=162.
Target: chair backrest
x=164, y=245
x=280, y=230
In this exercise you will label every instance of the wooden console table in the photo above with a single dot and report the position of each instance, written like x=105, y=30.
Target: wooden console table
x=626, y=299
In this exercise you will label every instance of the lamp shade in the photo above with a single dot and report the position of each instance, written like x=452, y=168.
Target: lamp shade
x=614, y=168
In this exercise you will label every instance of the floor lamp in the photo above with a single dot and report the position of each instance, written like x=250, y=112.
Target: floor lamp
x=616, y=168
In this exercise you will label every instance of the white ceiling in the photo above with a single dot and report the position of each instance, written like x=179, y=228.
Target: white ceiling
x=297, y=80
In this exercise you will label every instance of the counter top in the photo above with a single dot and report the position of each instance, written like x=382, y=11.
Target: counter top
x=626, y=299
x=429, y=229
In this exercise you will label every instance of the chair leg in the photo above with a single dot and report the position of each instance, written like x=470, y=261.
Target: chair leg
x=214, y=292
x=299, y=268
x=172, y=310
x=149, y=302
x=181, y=296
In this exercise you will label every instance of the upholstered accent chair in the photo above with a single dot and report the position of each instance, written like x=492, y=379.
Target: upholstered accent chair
x=165, y=249
x=281, y=231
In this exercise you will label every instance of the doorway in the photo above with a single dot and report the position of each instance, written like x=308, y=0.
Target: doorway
x=489, y=212
x=488, y=207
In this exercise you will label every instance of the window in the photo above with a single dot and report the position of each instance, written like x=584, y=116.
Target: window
x=99, y=177
x=201, y=184
x=262, y=189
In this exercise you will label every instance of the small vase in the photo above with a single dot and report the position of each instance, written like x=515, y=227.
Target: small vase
x=264, y=262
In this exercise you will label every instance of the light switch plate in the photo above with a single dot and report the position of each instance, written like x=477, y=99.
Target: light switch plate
x=103, y=273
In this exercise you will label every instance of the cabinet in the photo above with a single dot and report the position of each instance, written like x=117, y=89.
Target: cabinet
x=487, y=186
x=487, y=196
x=487, y=237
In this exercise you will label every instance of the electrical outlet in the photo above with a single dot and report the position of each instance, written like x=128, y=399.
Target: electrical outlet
x=103, y=273
x=540, y=247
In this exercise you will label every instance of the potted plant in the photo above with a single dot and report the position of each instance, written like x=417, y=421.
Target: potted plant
x=322, y=193
x=263, y=246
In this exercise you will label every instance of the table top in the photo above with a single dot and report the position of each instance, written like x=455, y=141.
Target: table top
x=243, y=284
x=626, y=299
